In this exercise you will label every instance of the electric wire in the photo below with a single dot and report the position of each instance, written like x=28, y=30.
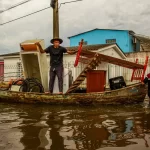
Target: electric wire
x=16, y=5
x=68, y=2
x=24, y=16
x=30, y=13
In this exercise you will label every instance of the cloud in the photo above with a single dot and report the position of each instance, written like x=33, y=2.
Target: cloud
x=74, y=18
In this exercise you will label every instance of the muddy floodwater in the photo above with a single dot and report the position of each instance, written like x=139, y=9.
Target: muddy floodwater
x=44, y=127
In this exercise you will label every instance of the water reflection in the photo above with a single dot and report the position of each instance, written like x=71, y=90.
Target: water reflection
x=37, y=127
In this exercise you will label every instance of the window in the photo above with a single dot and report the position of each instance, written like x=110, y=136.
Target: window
x=109, y=41
x=84, y=43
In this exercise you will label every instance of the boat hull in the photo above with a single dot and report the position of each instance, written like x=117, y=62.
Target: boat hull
x=129, y=95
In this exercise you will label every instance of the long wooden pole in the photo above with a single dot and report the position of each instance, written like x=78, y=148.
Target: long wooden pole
x=56, y=20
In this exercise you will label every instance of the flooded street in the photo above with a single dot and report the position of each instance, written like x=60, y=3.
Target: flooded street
x=41, y=127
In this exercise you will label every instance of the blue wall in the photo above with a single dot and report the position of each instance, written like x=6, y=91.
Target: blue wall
x=99, y=36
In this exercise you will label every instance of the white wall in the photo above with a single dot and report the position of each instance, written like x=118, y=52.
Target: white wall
x=11, y=68
x=111, y=52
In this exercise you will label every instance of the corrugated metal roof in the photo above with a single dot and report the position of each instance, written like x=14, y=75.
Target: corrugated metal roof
x=90, y=47
x=96, y=47
x=10, y=54
x=144, y=41
x=130, y=31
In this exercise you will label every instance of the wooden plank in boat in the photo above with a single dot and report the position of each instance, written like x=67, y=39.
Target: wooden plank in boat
x=112, y=60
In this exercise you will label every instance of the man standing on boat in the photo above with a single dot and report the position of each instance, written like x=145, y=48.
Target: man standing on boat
x=145, y=81
x=56, y=62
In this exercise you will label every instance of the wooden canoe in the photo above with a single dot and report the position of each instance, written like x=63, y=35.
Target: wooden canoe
x=129, y=95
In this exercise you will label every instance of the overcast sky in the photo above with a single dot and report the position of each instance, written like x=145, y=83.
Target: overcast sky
x=74, y=18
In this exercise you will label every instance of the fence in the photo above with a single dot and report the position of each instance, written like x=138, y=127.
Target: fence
x=12, y=71
x=16, y=71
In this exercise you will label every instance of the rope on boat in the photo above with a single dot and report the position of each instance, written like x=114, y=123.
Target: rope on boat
x=29, y=85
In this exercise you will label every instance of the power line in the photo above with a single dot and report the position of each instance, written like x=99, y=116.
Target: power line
x=24, y=16
x=69, y=2
x=26, y=1
x=31, y=13
x=16, y=5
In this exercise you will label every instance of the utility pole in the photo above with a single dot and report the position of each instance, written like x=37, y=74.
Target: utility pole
x=54, y=5
x=56, y=20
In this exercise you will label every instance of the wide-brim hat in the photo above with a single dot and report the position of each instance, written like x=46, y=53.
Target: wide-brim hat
x=56, y=39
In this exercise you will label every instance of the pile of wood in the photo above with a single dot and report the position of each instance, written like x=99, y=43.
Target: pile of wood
x=94, y=59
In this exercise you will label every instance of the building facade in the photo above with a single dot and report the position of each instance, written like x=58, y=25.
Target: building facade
x=123, y=38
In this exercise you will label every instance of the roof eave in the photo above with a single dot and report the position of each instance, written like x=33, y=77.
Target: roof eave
x=130, y=31
x=115, y=46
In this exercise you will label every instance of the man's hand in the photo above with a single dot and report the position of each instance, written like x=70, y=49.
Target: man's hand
x=72, y=52
x=75, y=51
x=37, y=43
x=40, y=47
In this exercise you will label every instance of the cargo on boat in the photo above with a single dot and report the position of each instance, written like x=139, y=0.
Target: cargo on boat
x=95, y=93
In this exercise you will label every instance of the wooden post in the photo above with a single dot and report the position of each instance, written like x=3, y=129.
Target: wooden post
x=56, y=20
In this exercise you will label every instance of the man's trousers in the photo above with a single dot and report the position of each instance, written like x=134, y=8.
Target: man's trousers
x=56, y=71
